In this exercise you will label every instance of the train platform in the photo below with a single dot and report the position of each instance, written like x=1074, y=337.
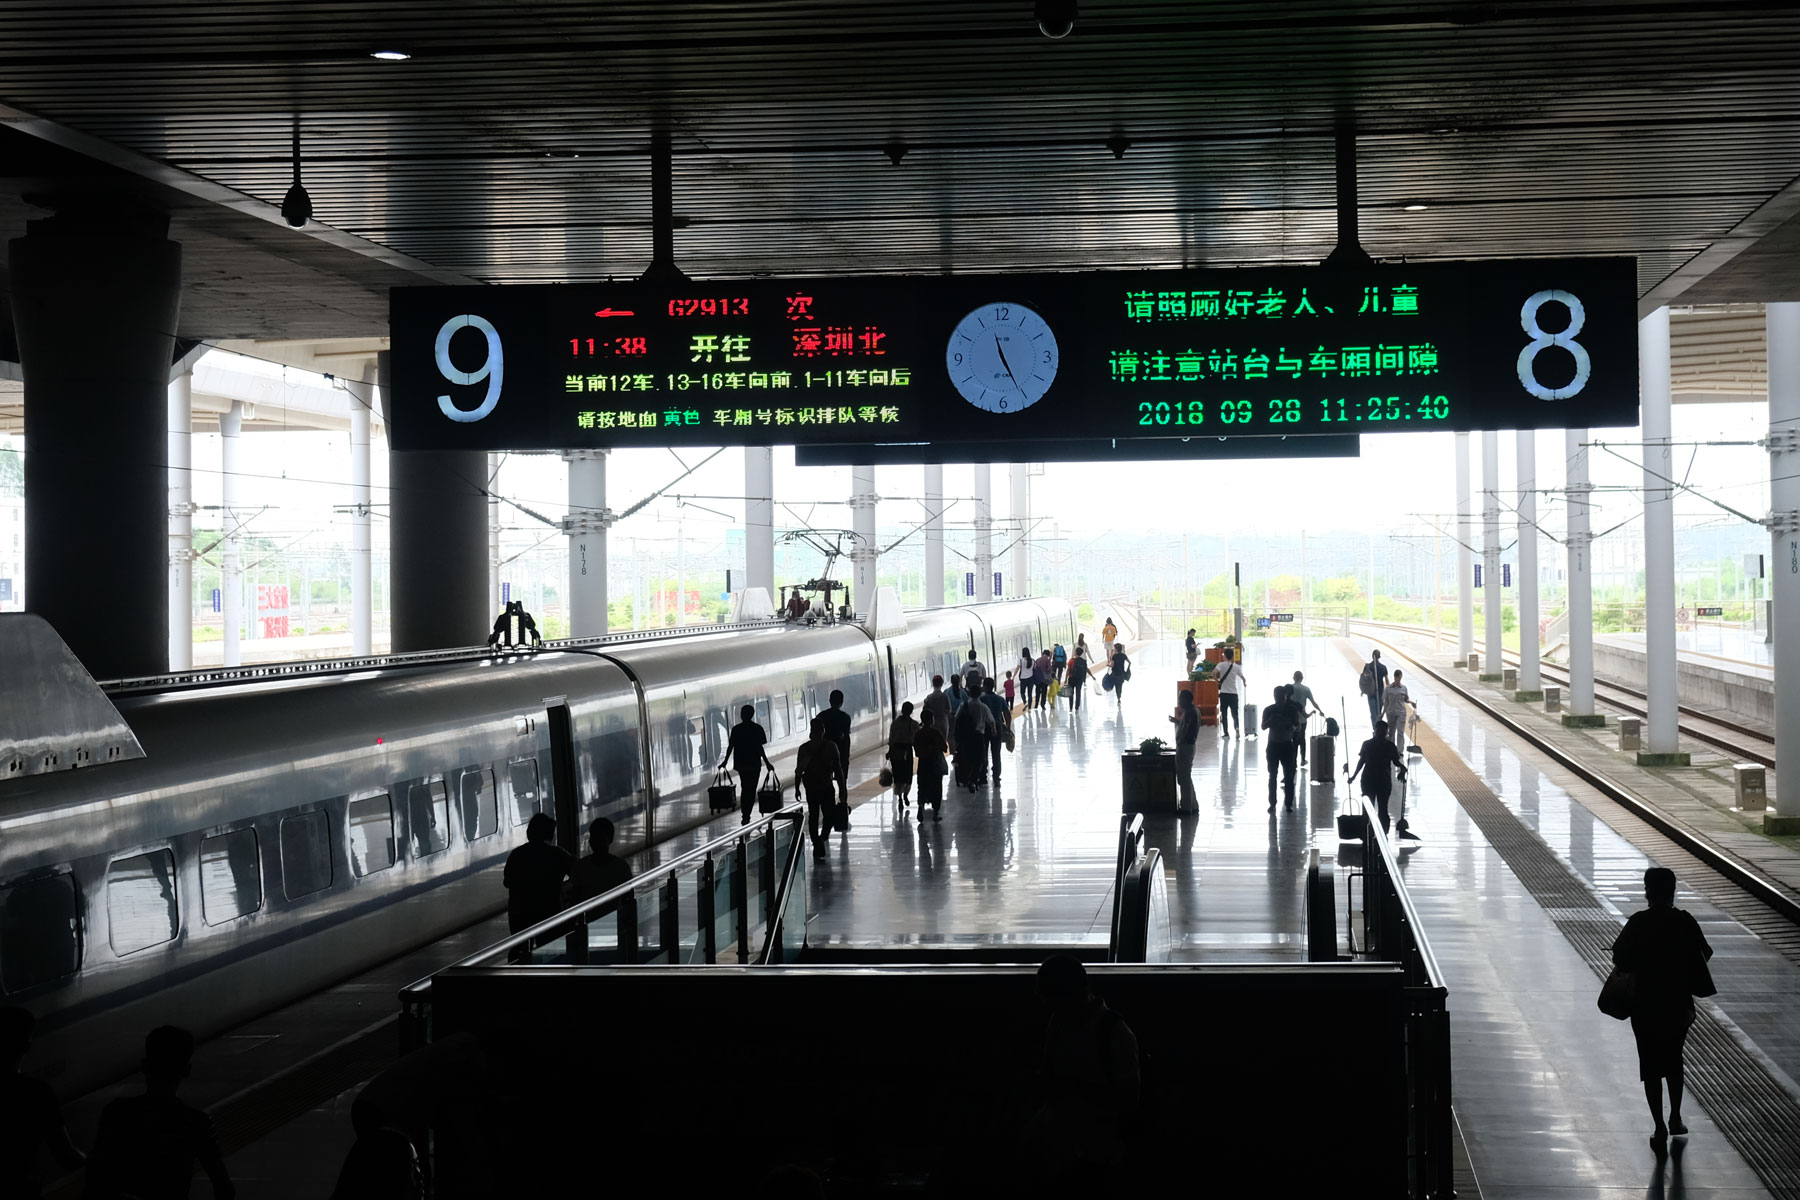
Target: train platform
x=1521, y=878
x=1719, y=669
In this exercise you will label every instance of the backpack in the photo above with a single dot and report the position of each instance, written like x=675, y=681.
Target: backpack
x=1366, y=684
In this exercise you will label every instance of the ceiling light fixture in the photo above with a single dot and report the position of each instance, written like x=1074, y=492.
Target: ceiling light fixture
x=390, y=55
x=296, y=206
x=1412, y=208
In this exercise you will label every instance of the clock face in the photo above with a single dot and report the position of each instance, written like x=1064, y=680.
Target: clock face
x=1002, y=357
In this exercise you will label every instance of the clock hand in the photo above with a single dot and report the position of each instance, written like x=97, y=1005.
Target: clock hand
x=1007, y=365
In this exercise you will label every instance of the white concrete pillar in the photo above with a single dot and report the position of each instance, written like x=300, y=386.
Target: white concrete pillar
x=586, y=525
x=231, y=593
x=934, y=534
x=1527, y=582
x=181, y=522
x=1581, y=580
x=493, y=502
x=1784, y=563
x=1661, y=731
x=362, y=594
x=1020, y=583
x=867, y=552
x=1491, y=600
x=1465, y=557
x=984, y=533
x=759, y=519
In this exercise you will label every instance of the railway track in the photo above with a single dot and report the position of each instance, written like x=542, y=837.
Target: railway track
x=1743, y=744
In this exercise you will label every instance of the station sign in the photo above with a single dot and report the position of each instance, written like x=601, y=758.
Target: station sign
x=1281, y=618
x=997, y=591
x=1505, y=575
x=1710, y=612
x=1496, y=344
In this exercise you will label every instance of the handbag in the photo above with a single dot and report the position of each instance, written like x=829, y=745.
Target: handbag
x=1011, y=742
x=723, y=793
x=886, y=778
x=940, y=766
x=840, y=817
x=1618, y=996
x=768, y=796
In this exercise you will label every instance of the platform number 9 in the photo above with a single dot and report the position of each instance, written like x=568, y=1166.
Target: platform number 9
x=492, y=367
x=1565, y=339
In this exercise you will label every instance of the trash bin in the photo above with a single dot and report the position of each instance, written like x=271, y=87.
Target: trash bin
x=1147, y=781
x=1631, y=733
x=1752, y=783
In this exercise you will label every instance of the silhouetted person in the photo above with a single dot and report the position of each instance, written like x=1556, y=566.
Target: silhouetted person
x=1372, y=763
x=1665, y=952
x=533, y=878
x=1001, y=713
x=745, y=753
x=382, y=1165
x=930, y=744
x=147, y=1146
x=1302, y=698
x=1187, y=735
x=30, y=1116
x=1393, y=709
x=600, y=871
x=1281, y=738
x=816, y=767
x=1372, y=682
x=900, y=752
x=936, y=701
x=837, y=728
x=1090, y=1077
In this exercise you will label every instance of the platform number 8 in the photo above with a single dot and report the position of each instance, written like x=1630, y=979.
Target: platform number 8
x=492, y=368
x=1565, y=339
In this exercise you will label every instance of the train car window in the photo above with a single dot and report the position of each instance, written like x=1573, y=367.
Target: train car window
x=480, y=807
x=525, y=789
x=371, y=835
x=230, y=876
x=765, y=715
x=306, y=853
x=140, y=902
x=715, y=732
x=428, y=815
x=40, y=931
x=778, y=716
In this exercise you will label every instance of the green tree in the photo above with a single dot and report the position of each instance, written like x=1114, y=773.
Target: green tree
x=12, y=473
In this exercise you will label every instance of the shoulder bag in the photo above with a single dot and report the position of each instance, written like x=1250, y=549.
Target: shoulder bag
x=1618, y=996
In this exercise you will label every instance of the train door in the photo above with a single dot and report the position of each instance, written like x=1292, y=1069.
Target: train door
x=893, y=685
x=564, y=793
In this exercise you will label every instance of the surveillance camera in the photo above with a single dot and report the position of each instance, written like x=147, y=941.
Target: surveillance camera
x=296, y=206
x=1055, y=18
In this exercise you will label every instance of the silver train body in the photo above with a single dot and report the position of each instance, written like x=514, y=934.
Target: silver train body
x=281, y=836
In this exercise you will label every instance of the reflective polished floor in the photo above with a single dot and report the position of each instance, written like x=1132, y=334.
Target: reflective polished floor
x=1547, y=1095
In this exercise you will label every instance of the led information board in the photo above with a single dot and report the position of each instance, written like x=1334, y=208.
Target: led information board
x=1031, y=450
x=1480, y=345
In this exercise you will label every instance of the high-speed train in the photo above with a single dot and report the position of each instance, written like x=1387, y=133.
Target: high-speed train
x=281, y=835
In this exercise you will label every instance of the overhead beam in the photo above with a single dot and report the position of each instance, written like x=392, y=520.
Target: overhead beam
x=1769, y=216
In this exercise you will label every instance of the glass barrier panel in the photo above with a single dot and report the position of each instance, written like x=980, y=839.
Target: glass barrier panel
x=651, y=951
x=692, y=948
x=759, y=848
x=793, y=914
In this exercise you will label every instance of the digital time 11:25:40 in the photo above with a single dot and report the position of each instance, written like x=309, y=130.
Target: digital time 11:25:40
x=1294, y=412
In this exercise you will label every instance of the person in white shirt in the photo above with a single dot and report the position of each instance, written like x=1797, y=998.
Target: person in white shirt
x=1393, y=709
x=1231, y=686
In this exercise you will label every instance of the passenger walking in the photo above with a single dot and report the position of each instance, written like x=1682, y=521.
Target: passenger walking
x=1092, y=1083
x=1044, y=666
x=533, y=877
x=1193, y=650
x=1059, y=659
x=1027, y=676
x=1302, y=698
x=1281, y=730
x=600, y=871
x=973, y=672
x=930, y=747
x=30, y=1115
x=1187, y=732
x=959, y=695
x=837, y=728
x=1373, y=761
x=1009, y=689
x=1001, y=713
x=1231, y=686
x=973, y=729
x=1077, y=677
x=744, y=750
x=1393, y=709
x=1081, y=646
x=1121, y=671
x=816, y=768
x=936, y=702
x=147, y=1146
x=1663, y=950
x=1109, y=634
x=1372, y=681
x=901, y=733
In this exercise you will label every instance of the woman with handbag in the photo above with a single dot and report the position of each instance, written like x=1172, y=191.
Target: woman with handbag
x=929, y=745
x=1663, y=951
x=900, y=752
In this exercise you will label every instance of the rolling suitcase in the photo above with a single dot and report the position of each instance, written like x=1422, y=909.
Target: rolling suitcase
x=1322, y=754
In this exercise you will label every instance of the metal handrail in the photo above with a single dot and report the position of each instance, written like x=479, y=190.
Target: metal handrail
x=1131, y=841
x=778, y=910
x=1431, y=975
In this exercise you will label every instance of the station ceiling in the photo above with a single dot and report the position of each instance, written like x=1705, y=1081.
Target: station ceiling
x=513, y=145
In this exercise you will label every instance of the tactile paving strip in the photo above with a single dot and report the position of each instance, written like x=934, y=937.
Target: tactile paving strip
x=1758, y=1117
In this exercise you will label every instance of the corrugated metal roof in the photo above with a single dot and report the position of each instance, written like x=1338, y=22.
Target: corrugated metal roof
x=513, y=146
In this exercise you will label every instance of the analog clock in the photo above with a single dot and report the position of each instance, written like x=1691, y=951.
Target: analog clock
x=1002, y=357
